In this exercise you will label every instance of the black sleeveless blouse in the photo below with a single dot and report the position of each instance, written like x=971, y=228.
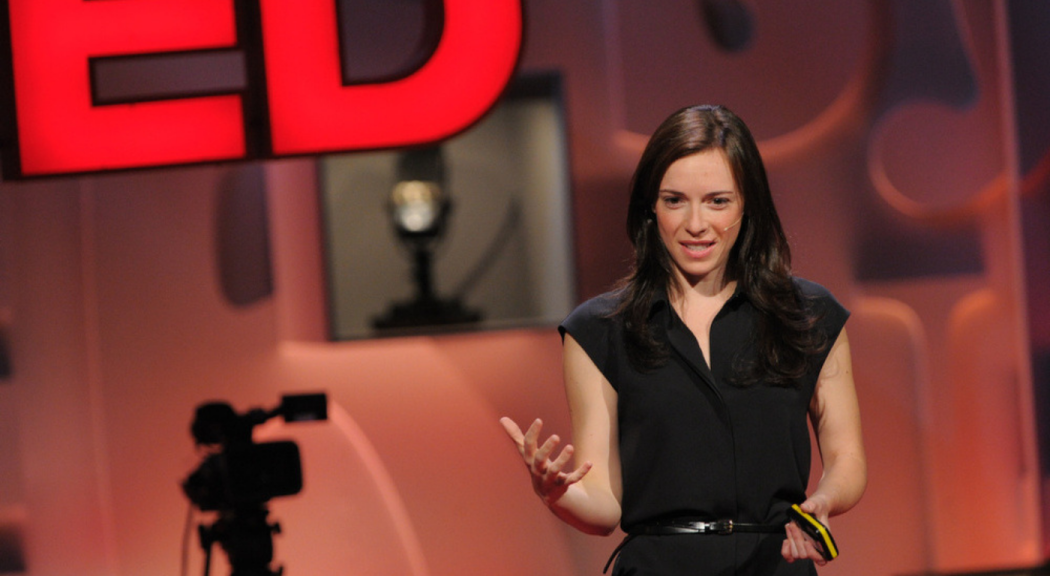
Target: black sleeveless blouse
x=694, y=445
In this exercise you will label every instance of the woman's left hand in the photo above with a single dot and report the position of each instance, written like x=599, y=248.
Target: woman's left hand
x=798, y=545
x=835, y=415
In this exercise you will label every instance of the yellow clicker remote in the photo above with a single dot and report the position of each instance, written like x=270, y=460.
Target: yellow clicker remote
x=816, y=530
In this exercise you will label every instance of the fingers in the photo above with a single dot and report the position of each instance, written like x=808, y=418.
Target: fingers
x=512, y=429
x=818, y=506
x=535, y=456
x=787, y=549
x=793, y=547
x=556, y=474
x=531, y=436
x=552, y=469
x=798, y=546
x=522, y=439
x=549, y=476
x=578, y=474
x=563, y=458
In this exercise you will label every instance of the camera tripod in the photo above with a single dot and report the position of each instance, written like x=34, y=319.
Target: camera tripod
x=246, y=537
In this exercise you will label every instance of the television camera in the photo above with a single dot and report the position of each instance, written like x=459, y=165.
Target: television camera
x=238, y=476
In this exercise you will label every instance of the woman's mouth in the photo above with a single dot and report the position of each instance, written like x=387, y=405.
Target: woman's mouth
x=697, y=249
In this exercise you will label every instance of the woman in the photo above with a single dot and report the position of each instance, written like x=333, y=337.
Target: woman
x=689, y=387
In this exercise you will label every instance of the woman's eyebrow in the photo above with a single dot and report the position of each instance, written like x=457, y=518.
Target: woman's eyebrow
x=706, y=194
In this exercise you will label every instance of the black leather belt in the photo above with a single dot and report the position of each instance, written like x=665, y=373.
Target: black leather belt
x=670, y=527
x=701, y=527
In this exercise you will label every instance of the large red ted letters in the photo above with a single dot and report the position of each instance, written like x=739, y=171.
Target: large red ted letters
x=310, y=111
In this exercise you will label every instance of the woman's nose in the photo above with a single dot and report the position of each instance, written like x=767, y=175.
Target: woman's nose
x=696, y=221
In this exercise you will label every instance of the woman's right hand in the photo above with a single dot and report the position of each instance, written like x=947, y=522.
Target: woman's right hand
x=550, y=478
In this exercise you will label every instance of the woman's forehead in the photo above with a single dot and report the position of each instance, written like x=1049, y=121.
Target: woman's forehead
x=701, y=171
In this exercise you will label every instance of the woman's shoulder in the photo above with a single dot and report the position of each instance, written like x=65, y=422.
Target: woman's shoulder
x=600, y=306
x=823, y=300
x=595, y=315
x=810, y=288
x=594, y=325
x=597, y=310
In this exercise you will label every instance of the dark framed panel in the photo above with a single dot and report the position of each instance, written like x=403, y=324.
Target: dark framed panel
x=507, y=253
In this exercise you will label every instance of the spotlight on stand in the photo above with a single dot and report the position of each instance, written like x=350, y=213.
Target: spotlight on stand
x=238, y=476
x=419, y=212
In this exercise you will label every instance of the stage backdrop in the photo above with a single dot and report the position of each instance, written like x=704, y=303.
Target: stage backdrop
x=907, y=152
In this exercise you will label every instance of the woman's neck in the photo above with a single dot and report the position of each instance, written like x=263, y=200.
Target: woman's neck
x=710, y=286
x=702, y=296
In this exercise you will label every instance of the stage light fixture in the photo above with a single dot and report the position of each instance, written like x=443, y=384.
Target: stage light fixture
x=419, y=207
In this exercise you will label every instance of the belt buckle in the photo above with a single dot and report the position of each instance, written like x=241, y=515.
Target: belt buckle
x=722, y=526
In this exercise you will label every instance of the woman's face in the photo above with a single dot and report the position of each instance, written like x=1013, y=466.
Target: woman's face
x=698, y=211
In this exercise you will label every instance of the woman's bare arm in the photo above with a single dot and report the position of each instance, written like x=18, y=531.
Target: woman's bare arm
x=586, y=497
